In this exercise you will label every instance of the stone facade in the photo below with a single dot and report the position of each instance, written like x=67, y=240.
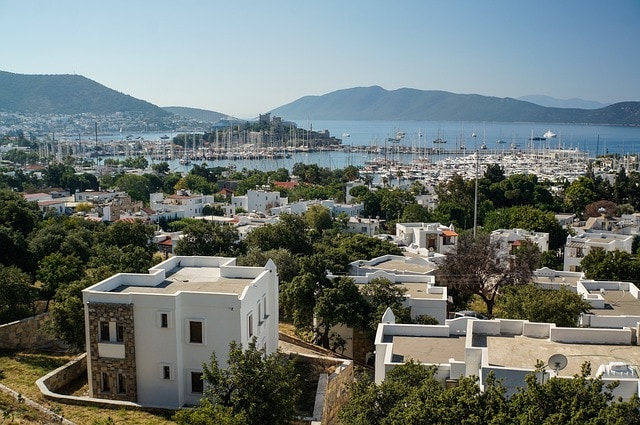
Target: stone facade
x=112, y=378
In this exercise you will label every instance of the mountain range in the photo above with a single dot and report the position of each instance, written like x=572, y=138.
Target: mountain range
x=75, y=94
x=376, y=103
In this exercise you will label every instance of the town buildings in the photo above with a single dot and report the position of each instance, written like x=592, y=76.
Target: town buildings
x=147, y=335
x=510, y=349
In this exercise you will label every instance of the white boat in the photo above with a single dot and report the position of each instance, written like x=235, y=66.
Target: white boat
x=549, y=134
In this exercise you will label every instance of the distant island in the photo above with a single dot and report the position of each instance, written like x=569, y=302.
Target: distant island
x=75, y=94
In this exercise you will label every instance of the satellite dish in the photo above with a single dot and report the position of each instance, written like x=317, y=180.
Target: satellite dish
x=557, y=362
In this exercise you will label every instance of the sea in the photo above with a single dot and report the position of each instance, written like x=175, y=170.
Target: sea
x=462, y=137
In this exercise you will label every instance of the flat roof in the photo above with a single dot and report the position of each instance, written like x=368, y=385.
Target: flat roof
x=571, y=281
x=191, y=279
x=523, y=352
x=396, y=264
x=433, y=350
x=419, y=290
x=619, y=303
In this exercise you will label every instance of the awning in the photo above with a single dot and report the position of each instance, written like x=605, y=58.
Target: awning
x=449, y=233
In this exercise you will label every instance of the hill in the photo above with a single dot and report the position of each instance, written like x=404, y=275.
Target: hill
x=194, y=113
x=562, y=103
x=66, y=94
x=376, y=103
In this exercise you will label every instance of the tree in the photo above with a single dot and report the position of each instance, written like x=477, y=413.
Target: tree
x=528, y=302
x=289, y=233
x=18, y=214
x=210, y=239
x=208, y=413
x=616, y=265
x=583, y=400
x=411, y=394
x=579, y=194
x=261, y=388
x=287, y=263
x=381, y=294
x=161, y=167
x=67, y=312
x=128, y=259
x=138, y=187
x=476, y=267
x=17, y=295
x=339, y=303
x=318, y=218
x=122, y=233
x=56, y=270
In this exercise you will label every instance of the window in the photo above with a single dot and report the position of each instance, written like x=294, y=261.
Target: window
x=104, y=331
x=119, y=333
x=104, y=382
x=195, y=332
x=197, y=384
x=259, y=313
x=164, y=320
x=250, y=324
x=166, y=372
x=264, y=306
x=122, y=384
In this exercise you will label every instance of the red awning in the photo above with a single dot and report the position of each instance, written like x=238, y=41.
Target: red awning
x=449, y=233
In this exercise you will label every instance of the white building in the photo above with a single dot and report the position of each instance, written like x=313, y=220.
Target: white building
x=579, y=246
x=509, y=349
x=614, y=304
x=510, y=239
x=301, y=207
x=147, y=335
x=427, y=237
x=259, y=200
x=366, y=226
x=182, y=204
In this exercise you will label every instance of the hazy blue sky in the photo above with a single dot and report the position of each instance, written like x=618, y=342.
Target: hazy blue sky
x=245, y=57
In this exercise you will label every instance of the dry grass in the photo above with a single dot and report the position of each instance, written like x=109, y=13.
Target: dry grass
x=20, y=370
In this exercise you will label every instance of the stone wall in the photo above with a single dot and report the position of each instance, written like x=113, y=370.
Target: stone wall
x=67, y=373
x=28, y=334
x=336, y=392
x=122, y=314
x=362, y=345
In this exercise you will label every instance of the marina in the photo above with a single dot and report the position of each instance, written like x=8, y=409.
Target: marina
x=395, y=152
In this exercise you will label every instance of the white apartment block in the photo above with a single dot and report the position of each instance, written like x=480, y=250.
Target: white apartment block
x=509, y=349
x=147, y=335
x=366, y=226
x=614, y=304
x=579, y=246
x=259, y=200
x=182, y=204
x=301, y=207
x=427, y=237
x=509, y=240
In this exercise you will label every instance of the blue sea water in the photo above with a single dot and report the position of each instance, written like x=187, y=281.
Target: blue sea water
x=594, y=139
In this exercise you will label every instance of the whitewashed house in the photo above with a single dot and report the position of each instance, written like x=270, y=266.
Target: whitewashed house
x=147, y=335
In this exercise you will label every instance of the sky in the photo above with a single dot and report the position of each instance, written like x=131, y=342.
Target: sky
x=242, y=57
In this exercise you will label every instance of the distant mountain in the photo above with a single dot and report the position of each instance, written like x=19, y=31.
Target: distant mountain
x=552, y=102
x=194, y=113
x=66, y=94
x=376, y=103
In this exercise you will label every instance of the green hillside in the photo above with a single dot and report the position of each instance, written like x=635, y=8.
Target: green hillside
x=66, y=94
